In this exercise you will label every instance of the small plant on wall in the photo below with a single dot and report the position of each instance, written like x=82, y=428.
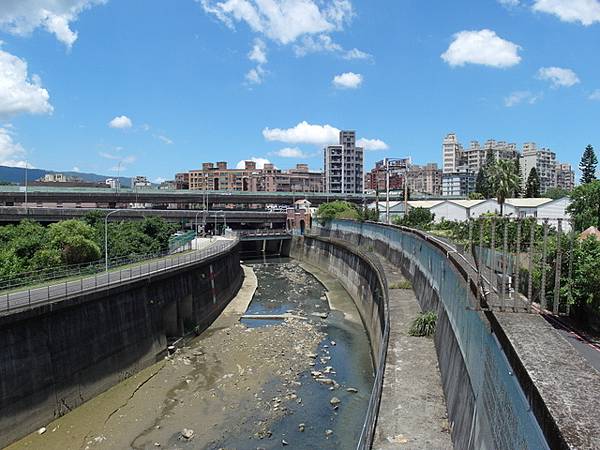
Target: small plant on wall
x=424, y=324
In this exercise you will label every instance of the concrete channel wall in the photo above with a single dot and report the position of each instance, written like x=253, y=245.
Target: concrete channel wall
x=57, y=356
x=487, y=406
x=364, y=279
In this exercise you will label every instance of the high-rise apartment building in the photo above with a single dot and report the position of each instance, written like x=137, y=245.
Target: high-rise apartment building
x=565, y=177
x=344, y=165
x=544, y=161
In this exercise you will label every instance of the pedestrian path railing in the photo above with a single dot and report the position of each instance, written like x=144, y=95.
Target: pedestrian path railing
x=11, y=301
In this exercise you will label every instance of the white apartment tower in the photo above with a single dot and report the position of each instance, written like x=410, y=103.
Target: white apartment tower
x=343, y=165
x=544, y=161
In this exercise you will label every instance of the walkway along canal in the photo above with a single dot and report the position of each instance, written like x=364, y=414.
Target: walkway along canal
x=303, y=381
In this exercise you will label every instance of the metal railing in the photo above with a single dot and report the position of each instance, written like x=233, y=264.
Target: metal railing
x=12, y=301
x=267, y=232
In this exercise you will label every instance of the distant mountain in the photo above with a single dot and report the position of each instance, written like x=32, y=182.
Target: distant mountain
x=17, y=175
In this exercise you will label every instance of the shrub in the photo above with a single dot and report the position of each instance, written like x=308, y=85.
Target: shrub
x=404, y=284
x=424, y=324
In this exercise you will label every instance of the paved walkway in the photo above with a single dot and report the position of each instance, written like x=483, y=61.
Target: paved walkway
x=57, y=290
x=413, y=411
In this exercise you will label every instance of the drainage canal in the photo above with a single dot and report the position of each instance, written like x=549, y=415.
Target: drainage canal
x=298, y=377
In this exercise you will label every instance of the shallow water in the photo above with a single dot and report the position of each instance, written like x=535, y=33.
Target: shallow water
x=283, y=286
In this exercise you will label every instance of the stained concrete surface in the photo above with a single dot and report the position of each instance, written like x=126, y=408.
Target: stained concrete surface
x=413, y=411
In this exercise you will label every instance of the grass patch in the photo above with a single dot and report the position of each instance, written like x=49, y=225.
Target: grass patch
x=423, y=325
x=404, y=284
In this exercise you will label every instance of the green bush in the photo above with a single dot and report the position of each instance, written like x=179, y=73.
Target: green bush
x=424, y=324
x=404, y=284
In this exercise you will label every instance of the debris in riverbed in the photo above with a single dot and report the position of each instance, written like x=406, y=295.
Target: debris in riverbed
x=352, y=390
x=335, y=401
x=187, y=434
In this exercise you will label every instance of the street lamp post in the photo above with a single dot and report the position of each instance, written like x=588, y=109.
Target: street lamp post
x=106, y=237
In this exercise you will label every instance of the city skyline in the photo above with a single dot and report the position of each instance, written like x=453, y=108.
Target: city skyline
x=90, y=89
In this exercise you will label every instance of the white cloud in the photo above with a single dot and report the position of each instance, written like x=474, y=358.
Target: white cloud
x=372, y=144
x=75, y=169
x=348, y=80
x=283, y=21
x=120, y=122
x=20, y=93
x=11, y=152
x=260, y=162
x=290, y=152
x=304, y=133
x=21, y=17
x=595, y=95
x=587, y=12
x=483, y=47
x=558, y=76
x=509, y=3
x=163, y=139
x=124, y=159
x=517, y=97
x=323, y=43
x=258, y=52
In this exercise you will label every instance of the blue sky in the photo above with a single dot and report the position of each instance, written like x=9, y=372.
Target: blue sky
x=190, y=81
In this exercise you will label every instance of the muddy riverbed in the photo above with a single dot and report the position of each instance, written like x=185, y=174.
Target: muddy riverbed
x=301, y=383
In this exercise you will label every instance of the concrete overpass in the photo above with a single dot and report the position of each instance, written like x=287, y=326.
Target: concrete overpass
x=233, y=217
x=15, y=195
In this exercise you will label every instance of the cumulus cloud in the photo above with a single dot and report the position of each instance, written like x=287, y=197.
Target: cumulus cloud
x=558, y=76
x=348, y=80
x=120, y=122
x=290, y=152
x=518, y=97
x=482, y=47
x=260, y=162
x=21, y=17
x=258, y=52
x=304, y=133
x=595, y=95
x=372, y=144
x=12, y=154
x=587, y=12
x=283, y=21
x=20, y=93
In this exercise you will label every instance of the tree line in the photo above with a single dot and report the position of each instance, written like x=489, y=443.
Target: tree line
x=29, y=246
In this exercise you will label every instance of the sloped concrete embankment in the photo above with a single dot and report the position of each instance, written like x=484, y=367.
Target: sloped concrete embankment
x=364, y=279
x=57, y=356
x=487, y=405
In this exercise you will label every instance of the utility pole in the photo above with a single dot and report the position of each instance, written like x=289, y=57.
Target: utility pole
x=26, y=204
x=387, y=191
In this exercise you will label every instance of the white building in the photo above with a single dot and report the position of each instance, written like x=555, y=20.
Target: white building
x=544, y=161
x=344, y=165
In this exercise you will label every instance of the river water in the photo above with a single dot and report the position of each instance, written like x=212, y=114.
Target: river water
x=254, y=384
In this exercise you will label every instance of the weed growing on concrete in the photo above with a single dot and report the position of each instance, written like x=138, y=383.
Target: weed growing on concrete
x=424, y=324
x=404, y=284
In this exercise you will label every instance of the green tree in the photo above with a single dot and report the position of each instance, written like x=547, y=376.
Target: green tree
x=476, y=196
x=337, y=210
x=481, y=183
x=556, y=193
x=586, y=274
x=588, y=165
x=416, y=218
x=75, y=240
x=519, y=175
x=532, y=190
x=585, y=205
x=504, y=181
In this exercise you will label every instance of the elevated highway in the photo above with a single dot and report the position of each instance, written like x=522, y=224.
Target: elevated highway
x=15, y=214
x=14, y=195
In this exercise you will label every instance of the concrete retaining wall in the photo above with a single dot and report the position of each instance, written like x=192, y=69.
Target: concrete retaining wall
x=487, y=407
x=57, y=356
x=365, y=281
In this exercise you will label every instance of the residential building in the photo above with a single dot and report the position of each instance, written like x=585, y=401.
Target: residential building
x=182, y=180
x=458, y=184
x=452, y=153
x=344, y=165
x=376, y=178
x=565, y=176
x=425, y=179
x=252, y=179
x=140, y=182
x=544, y=161
x=113, y=183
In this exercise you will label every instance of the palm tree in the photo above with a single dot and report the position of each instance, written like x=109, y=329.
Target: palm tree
x=504, y=181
